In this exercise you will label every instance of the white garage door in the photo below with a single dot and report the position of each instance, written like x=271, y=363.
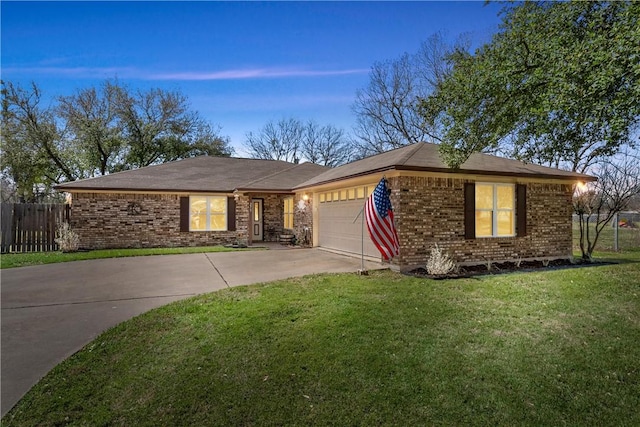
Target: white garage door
x=337, y=230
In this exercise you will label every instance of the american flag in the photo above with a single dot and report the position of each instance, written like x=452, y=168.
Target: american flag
x=379, y=217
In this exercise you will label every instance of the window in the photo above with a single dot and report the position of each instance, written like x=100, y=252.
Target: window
x=288, y=213
x=207, y=213
x=494, y=210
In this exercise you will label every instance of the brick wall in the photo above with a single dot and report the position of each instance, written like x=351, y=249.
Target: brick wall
x=143, y=220
x=430, y=210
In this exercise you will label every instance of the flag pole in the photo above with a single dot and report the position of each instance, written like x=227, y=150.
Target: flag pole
x=362, y=271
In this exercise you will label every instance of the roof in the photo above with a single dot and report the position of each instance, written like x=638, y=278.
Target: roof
x=426, y=157
x=204, y=174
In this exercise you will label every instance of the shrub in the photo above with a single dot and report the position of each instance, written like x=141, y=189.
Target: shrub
x=439, y=263
x=66, y=238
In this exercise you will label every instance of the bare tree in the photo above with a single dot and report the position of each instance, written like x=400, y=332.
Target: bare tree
x=387, y=114
x=276, y=141
x=292, y=140
x=597, y=203
x=325, y=145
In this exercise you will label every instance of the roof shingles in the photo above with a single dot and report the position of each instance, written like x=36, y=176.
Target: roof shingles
x=426, y=157
x=204, y=174
x=228, y=174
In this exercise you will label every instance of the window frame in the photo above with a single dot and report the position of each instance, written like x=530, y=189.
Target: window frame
x=208, y=213
x=495, y=210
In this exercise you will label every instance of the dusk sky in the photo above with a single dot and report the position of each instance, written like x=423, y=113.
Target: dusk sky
x=241, y=64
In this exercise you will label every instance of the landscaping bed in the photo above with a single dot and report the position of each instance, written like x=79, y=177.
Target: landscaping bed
x=506, y=267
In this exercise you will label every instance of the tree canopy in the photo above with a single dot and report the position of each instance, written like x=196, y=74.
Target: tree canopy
x=94, y=132
x=557, y=85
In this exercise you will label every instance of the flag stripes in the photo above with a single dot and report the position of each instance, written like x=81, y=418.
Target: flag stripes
x=380, y=224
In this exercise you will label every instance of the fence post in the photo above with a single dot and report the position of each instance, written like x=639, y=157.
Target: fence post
x=615, y=232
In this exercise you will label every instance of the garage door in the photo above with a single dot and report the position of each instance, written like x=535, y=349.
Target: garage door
x=337, y=230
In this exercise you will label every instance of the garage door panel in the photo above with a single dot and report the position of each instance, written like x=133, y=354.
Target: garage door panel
x=337, y=229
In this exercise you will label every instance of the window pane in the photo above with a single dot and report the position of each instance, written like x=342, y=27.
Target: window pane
x=505, y=223
x=360, y=193
x=322, y=198
x=484, y=196
x=217, y=205
x=505, y=196
x=218, y=222
x=288, y=213
x=484, y=223
x=352, y=193
x=198, y=211
x=256, y=211
x=336, y=196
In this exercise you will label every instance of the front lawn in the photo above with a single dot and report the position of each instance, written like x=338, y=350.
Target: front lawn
x=546, y=348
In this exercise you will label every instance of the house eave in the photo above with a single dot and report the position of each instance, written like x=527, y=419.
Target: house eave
x=139, y=190
x=541, y=176
x=447, y=171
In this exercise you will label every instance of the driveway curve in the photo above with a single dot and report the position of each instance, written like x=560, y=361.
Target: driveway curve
x=49, y=312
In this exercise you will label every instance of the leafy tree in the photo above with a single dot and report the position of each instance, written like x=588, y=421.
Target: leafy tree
x=387, y=113
x=94, y=132
x=291, y=139
x=558, y=85
x=34, y=155
x=158, y=127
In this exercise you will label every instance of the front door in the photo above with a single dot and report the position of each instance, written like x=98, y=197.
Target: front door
x=256, y=220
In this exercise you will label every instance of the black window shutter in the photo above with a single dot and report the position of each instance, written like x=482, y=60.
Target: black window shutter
x=469, y=210
x=521, y=210
x=231, y=214
x=184, y=214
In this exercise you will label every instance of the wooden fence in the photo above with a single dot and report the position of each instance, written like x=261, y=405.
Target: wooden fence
x=31, y=227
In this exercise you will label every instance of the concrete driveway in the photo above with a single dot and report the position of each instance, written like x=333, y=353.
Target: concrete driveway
x=51, y=311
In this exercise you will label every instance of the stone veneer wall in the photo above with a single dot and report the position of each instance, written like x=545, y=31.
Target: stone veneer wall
x=114, y=220
x=430, y=210
x=303, y=220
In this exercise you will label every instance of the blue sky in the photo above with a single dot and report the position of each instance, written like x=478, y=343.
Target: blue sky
x=241, y=64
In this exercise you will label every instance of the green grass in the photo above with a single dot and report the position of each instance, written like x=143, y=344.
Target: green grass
x=546, y=348
x=36, y=258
